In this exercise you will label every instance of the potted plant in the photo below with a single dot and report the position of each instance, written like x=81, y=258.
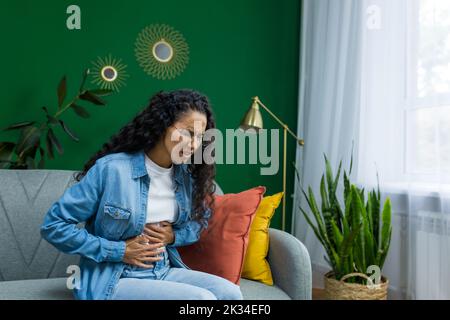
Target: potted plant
x=355, y=236
x=23, y=154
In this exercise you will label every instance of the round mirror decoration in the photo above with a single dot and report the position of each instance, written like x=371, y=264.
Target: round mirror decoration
x=161, y=51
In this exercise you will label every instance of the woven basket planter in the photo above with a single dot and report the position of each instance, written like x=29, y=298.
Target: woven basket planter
x=341, y=290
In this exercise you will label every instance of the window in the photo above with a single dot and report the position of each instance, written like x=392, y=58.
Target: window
x=427, y=110
x=405, y=96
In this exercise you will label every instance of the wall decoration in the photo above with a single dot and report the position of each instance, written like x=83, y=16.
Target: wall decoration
x=161, y=51
x=109, y=73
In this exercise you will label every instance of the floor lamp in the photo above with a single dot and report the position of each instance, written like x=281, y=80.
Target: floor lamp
x=253, y=120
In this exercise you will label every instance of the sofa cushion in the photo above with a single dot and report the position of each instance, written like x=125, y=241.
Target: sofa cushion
x=39, y=289
x=25, y=197
x=256, y=266
x=222, y=246
x=55, y=289
x=255, y=290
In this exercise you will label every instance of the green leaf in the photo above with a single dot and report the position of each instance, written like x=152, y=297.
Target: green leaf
x=337, y=235
x=345, y=227
x=50, y=119
x=351, y=160
x=68, y=131
x=386, y=227
x=361, y=194
x=30, y=163
x=6, y=153
x=332, y=183
x=348, y=207
x=311, y=224
x=328, y=219
x=49, y=145
x=369, y=249
x=358, y=265
x=320, y=224
x=336, y=180
x=62, y=90
x=83, y=81
x=19, y=125
x=369, y=212
x=322, y=238
x=329, y=175
x=378, y=187
x=357, y=217
x=54, y=141
x=385, y=250
x=323, y=193
x=375, y=206
x=79, y=110
x=88, y=96
x=346, y=185
x=337, y=262
x=41, y=163
x=28, y=139
x=101, y=92
x=314, y=209
x=347, y=248
x=348, y=241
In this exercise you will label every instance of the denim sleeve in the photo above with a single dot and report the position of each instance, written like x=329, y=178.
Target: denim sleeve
x=189, y=232
x=77, y=204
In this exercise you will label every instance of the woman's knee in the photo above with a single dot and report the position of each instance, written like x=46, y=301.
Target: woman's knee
x=202, y=294
x=228, y=291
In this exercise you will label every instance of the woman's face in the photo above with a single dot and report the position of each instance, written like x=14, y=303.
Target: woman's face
x=184, y=137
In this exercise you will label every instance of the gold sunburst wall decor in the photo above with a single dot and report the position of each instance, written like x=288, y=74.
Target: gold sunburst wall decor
x=161, y=51
x=109, y=73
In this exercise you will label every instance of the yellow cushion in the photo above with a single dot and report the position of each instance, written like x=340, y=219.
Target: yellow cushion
x=256, y=266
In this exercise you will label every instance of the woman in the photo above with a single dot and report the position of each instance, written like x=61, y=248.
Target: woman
x=140, y=197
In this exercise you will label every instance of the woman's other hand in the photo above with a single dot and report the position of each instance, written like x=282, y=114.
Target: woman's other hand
x=161, y=232
x=141, y=250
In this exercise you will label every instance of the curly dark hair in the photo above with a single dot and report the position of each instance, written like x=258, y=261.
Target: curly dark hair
x=150, y=125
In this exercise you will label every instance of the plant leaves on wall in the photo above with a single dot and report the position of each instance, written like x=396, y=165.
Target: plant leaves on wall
x=33, y=135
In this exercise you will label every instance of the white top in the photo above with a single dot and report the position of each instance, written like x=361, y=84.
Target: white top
x=161, y=202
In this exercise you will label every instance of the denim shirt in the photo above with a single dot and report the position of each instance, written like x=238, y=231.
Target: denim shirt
x=112, y=199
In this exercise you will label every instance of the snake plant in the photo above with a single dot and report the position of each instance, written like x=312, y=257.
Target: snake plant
x=355, y=235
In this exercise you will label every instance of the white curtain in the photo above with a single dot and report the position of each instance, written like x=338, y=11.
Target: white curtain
x=378, y=73
x=328, y=100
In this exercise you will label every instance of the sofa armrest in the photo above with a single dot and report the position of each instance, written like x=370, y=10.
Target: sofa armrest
x=290, y=264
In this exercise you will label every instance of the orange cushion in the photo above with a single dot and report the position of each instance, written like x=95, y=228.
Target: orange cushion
x=222, y=246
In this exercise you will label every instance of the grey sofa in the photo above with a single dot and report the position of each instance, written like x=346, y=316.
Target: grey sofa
x=30, y=268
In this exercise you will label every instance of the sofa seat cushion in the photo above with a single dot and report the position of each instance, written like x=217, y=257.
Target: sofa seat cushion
x=55, y=289
x=255, y=290
x=38, y=289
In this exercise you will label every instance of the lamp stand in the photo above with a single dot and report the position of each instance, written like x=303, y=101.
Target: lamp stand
x=253, y=119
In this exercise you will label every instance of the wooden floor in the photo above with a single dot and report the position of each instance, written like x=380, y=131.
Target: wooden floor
x=318, y=294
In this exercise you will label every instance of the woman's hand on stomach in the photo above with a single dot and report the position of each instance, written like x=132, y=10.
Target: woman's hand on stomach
x=160, y=232
x=141, y=250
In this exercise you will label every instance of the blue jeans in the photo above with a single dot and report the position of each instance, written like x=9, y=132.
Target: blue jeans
x=164, y=282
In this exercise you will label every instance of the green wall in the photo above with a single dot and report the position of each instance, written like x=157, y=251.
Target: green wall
x=238, y=49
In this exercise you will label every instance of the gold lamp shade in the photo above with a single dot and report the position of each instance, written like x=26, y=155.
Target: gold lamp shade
x=253, y=118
